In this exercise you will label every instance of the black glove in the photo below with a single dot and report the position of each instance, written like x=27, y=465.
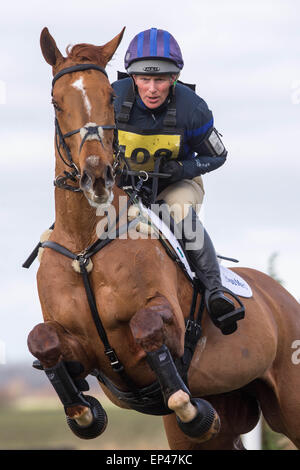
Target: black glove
x=174, y=168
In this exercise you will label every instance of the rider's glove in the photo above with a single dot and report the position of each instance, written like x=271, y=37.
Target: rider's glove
x=174, y=168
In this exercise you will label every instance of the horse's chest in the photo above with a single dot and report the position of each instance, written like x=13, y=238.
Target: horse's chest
x=60, y=288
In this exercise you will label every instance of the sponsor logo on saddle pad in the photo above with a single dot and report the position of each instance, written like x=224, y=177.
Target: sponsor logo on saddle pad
x=235, y=283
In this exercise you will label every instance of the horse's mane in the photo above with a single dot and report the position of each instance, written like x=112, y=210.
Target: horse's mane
x=83, y=52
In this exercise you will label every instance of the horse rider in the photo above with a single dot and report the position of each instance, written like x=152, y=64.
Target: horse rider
x=158, y=117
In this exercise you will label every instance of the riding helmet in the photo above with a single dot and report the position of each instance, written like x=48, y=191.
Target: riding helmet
x=153, y=52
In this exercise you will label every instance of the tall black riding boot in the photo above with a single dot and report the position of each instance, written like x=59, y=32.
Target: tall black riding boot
x=202, y=256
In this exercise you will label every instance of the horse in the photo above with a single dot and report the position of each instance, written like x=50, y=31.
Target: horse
x=120, y=312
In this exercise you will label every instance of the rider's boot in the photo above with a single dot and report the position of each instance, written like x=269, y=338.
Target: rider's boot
x=202, y=256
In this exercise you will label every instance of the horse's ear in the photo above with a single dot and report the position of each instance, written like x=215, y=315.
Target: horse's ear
x=108, y=50
x=49, y=48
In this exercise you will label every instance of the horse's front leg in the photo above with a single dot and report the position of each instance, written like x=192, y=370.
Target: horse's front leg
x=155, y=330
x=66, y=364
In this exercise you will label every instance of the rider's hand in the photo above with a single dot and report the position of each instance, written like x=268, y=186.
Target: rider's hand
x=174, y=168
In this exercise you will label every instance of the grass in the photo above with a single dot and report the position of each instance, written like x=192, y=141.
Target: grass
x=42, y=428
x=275, y=441
x=41, y=425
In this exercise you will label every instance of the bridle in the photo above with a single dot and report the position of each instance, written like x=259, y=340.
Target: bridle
x=74, y=174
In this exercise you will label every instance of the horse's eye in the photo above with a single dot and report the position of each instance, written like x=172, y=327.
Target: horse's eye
x=56, y=105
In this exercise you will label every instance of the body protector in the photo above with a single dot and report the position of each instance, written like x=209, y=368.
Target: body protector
x=142, y=148
x=180, y=129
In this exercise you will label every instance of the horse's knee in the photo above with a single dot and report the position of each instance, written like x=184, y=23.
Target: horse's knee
x=149, y=324
x=147, y=329
x=44, y=344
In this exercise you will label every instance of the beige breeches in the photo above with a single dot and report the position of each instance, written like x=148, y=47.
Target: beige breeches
x=182, y=195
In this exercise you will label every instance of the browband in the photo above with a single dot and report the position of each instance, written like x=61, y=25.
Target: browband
x=77, y=68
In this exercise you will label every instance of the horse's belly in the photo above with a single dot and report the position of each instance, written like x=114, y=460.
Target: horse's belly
x=224, y=363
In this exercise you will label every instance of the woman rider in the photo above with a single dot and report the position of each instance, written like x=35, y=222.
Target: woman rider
x=158, y=117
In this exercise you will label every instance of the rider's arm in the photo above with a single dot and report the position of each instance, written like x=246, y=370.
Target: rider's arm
x=204, y=140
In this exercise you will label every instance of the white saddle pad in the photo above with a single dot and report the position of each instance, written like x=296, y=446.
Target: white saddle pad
x=230, y=279
x=235, y=283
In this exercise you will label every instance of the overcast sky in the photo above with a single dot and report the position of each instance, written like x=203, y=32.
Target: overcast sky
x=244, y=57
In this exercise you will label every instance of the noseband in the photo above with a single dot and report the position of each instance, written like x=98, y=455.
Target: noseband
x=61, y=181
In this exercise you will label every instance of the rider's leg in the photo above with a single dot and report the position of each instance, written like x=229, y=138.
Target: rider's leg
x=203, y=257
x=181, y=196
x=184, y=199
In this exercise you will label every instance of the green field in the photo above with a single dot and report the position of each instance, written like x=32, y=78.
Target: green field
x=41, y=425
x=44, y=428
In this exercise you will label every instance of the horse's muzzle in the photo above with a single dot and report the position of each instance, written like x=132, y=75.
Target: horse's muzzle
x=97, y=184
x=86, y=181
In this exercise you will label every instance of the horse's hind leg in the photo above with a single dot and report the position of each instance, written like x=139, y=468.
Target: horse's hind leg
x=149, y=327
x=280, y=403
x=66, y=364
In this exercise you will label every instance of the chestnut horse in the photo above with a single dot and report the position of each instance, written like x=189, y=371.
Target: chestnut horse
x=142, y=299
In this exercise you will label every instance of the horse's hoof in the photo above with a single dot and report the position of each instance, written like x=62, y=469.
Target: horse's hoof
x=206, y=423
x=97, y=426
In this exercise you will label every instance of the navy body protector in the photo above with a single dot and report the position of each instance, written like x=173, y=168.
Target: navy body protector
x=168, y=127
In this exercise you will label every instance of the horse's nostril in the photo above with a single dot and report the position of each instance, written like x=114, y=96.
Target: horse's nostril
x=85, y=181
x=109, y=177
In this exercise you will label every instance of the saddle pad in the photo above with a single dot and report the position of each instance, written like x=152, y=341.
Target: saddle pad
x=230, y=279
x=164, y=229
x=234, y=282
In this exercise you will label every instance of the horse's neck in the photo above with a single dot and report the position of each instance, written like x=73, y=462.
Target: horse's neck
x=76, y=222
x=75, y=219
